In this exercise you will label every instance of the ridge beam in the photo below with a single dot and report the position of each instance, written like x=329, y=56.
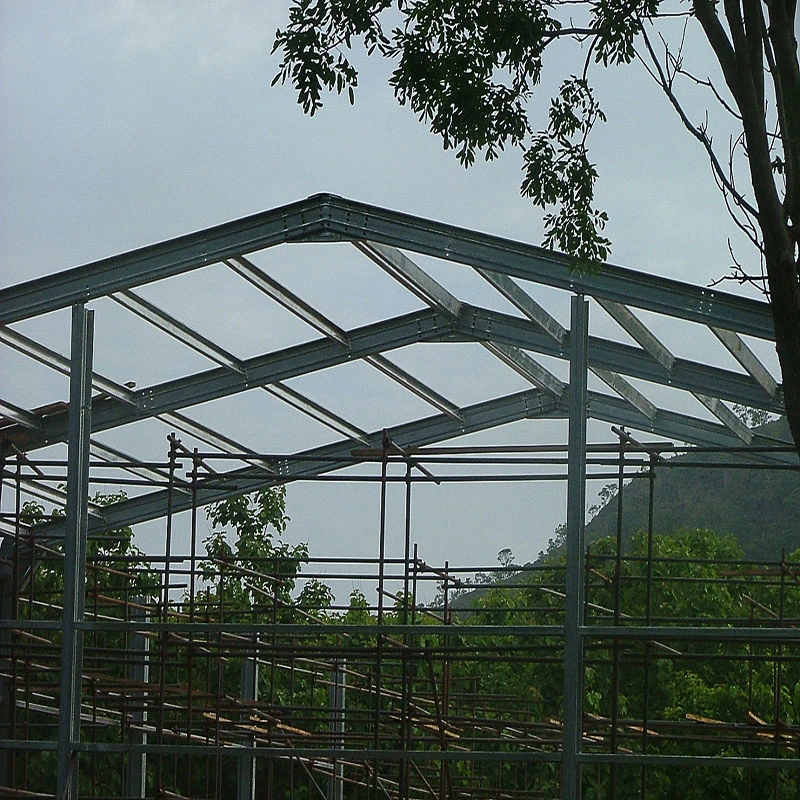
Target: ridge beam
x=627, y=391
x=177, y=329
x=632, y=325
x=411, y=276
x=747, y=358
x=518, y=297
x=529, y=368
x=726, y=416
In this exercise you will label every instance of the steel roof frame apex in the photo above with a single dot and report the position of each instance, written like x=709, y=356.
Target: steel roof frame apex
x=326, y=217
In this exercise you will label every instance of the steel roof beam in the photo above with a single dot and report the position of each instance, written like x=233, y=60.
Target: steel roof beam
x=411, y=276
x=649, y=342
x=351, y=221
x=311, y=316
x=747, y=358
x=162, y=260
x=316, y=411
x=173, y=327
x=529, y=404
x=220, y=382
x=53, y=360
x=550, y=325
x=726, y=416
x=672, y=425
x=290, y=301
x=177, y=329
x=626, y=391
x=19, y=415
x=434, y=294
x=529, y=368
x=327, y=217
x=639, y=332
x=516, y=295
x=408, y=381
x=479, y=324
x=474, y=324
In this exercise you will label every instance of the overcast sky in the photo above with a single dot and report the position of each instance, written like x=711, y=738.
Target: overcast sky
x=125, y=123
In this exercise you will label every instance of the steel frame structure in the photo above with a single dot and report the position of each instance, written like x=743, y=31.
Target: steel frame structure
x=389, y=240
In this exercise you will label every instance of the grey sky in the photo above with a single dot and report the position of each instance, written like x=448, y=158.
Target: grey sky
x=125, y=123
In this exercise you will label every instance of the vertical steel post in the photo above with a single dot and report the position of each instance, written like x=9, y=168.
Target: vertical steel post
x=246, y=786
x=336, y=700
x=7, y=613
x=7, y=668
x=576, y=504
x=138, y=673
x=80, y=412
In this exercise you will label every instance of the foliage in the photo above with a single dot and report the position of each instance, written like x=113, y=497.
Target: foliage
x=116, y=569
x=468, y=68
x=696, y=580
x=503, y=680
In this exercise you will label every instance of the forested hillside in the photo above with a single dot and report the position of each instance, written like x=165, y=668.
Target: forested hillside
x=759, y=507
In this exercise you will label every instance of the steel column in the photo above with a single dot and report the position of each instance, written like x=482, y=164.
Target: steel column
x=246, y=785
x=138, y=673
x=576, y=504
x=80, y=410
x=336, y=700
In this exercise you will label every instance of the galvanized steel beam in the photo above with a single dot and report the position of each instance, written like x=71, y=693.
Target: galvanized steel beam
x=747, y=358
x=626, y=391
x=312, y=317
x=525, y=303
x=327, y=217
x=529, y=404
x=350, y=220
x=80, y=401
x=178, y=330
x=173, y=257
x=290, y=301
x=316, y=411
x=220, y=382
x=632, y=325
x=19, y=415
x=479, y=324
x=576, y=509
x=411, y=276
x=527, y=367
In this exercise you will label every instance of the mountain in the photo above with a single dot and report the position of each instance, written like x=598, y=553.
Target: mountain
x=758, y=506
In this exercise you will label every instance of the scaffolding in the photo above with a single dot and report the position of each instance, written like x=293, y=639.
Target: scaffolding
x=141, y=675
x=212, y=676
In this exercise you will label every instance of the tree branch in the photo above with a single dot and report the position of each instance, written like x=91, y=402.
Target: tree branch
x=697, y=132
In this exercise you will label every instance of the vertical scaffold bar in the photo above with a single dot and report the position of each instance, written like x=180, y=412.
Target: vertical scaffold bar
x=7, y=613
x=80, y=410
x=576, y=503
x=336, y=701
x=138, y=674
x=246, y=784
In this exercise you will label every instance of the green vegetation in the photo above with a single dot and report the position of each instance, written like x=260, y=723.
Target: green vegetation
x=464, y=686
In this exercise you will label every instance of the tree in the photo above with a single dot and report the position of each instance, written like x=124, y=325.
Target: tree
x=468, y=68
